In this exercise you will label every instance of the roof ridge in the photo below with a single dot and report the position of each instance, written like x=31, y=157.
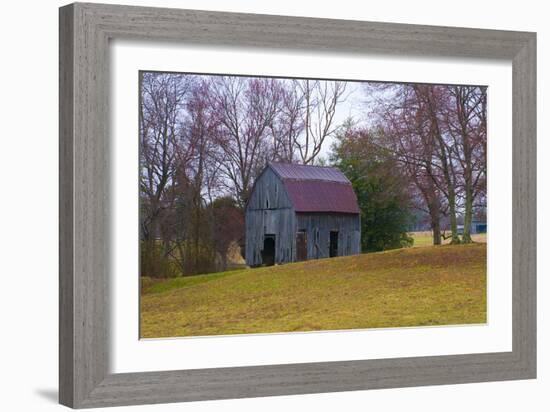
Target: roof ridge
x=298, y=179
x=287, y=171
x=301, y=164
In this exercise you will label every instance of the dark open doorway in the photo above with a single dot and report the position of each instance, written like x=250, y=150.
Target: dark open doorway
x=268, y=253
x=333, y=248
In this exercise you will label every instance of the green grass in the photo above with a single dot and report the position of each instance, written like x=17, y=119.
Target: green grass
x=408, y=287
x=158, y=286
x=422, y=239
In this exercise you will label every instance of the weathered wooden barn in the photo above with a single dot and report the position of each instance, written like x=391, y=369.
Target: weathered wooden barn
x=299, y=212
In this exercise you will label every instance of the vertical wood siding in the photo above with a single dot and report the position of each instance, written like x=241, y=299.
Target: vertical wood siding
x=268, y=193
x=279, y=222
x=318, y=227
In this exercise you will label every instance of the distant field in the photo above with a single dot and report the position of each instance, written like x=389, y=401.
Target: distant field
x=425, y=239
x=407, y=287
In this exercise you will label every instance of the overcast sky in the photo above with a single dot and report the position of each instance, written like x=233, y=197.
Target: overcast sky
x=354, y=106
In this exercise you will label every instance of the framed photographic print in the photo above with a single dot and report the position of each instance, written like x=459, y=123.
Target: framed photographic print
x=257, y=205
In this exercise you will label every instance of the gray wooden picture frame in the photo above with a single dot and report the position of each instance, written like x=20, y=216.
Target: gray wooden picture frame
x=85, y=31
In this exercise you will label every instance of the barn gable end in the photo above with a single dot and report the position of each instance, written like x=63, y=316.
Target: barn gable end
x=268, y=192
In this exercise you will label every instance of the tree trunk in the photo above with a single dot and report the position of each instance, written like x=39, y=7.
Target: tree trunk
x=434, y=208
x=468, y=178
x=446, y=165
x=466, y=237
x=224, y=260
x=436, y=232
x=436, y=226
x=452, y=214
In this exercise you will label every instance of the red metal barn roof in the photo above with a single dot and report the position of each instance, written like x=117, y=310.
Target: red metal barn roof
x=317, y=188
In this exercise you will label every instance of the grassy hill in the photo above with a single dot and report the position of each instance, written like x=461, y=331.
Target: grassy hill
x=407, y=287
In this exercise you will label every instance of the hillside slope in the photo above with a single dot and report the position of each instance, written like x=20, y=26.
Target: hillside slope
x=407, y=287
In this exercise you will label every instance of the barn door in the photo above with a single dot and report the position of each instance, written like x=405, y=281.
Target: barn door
x=301, y=245
x=333, y=248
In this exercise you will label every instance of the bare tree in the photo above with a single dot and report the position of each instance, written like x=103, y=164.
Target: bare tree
x=438, y=133
x=431, y=103
x=320, y=100
x=466, y=122
x=407, y=133
x=162, y=102
x=289, y=124
x=246, y=108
